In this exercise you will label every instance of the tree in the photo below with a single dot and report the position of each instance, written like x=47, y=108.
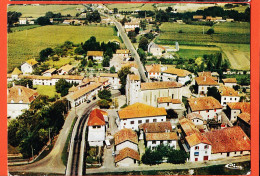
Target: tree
x=13, y=127
x=131, y=34
x=123, y=21
x=105, y=94
x=213, y=92
x=79, y=50
x=143, y=43
x=122, y=74
x=13, y=17
x=142, y=55
x=169, y=9
x=103, y=104
x=177, y=157
x=115, y=10
x=43, y=21
x=44, y=54
x=106, y=61
x=83, y=63
x=39, y=102
x=137, y=29
x=112, y=69
x=62, y=87
x=90, y=63
x=143, y=24
x=24, y=82
x=210, y=31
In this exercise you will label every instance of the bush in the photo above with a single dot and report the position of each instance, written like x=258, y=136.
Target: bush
x=210, y=31
x=105, y=94
x=103, y=104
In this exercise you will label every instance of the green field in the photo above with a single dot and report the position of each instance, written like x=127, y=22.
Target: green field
x=22, y=28
x=61, y=62
x=46, y=90
x=131, y=6
x=27, y=44
x=40, y=10
x=193, y=53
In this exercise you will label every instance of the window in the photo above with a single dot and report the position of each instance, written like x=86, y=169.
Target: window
x=230, y=98
x=197, y=120
x=206, y=147
x=196, y=159
x=241, y=152
x=196, y=153
x=207, y=110
x=235, y=98
x=124, y=123
x=154, y=120
x=132, y=122
x=147, y=120
x=196, y=147
x=98, y=126
x=215, y=110
x=153, y=142
x=161, y=120
x=139, y=121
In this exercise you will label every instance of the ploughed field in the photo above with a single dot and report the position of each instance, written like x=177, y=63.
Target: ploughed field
x=27, y=44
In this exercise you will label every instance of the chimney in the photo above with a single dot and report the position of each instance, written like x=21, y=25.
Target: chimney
x=13, y=84
x=204, y=78
x=19, y=91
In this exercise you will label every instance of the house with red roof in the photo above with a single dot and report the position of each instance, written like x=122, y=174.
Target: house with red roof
x=234, y=109
x=204, y=82
x=244, y=121
x=156, y=50
x=127, y=157
x=96, y=128
x=126, y=138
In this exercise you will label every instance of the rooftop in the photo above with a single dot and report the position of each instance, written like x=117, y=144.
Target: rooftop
x=228, y=140
x=196, y=138
x=66, y=67
x=230, y=80
x=16, y=71
x=194, y=116
x=95, y=53
x=127, y=153
x=204, y=103
x=245, y=117
x=77, y=94
x=50, y=70
x=161, y=136
x=134, y=77
x=206, y=80
x=188, y=126
x=96, y=118
x=178, y=72
x=138, y=110
x=126, y=135
x=122, y=51
x=227, y=91
x=160, y=85
x=154, y=68
x=32, y=62
x=156, y=127
x=243, y=106
x=168, y=100
x=21, y=94
x=114, y=75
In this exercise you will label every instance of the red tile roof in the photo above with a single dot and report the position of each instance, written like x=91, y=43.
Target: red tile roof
x=206, y=80
x=127, y=153
x=188, y=126
x=228, y=140
x=154, y=68
x=196, y=138
x=203, y=103
x=134, y=77
x=194, y=116
x=168, y=100
x=245, y=117
x=26, y=95
x=230, y=80
x=66, y=67
x=160, y=85
x=178, y=72
x=227, y=91
x=126, y=135
x=122, y=51
x=83, y=91
x=243, y=106
x=95, y=53
x=156, y=127
x=138, y=110
x=161, y=136
x=96, y=118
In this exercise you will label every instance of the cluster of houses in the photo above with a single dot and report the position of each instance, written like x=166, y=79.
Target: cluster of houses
x=210, y=18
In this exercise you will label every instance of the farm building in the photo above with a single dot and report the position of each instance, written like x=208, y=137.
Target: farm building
x=29, y=66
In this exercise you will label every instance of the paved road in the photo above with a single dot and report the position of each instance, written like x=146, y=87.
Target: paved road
x=167, y=166
x=52, y=163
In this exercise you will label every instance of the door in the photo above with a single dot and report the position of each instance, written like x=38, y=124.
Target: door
x=206, y=158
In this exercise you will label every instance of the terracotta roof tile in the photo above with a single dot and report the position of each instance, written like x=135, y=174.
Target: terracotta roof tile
x=161, y=136
x=126, y=135
x=32, y=62
x=72, y=77
x=245, y=117
x=114, y=75
x=203, y=103
x=66, y=67
x=16, y=71
x=26, y=95
x=243, y=106
x=156, y=127
x=228, y=140
x=138, y=110
x=95, y=53
x=96, y=118
x=230, y=80
x=35, y=77
x=207, y=73
x=227, y=91
x=73, y=89
x=178, y=72
x=134, y=77
x=50, y=70
x=168, y=100
x=188, y=126
x=83, y=91
x=127, y=153
x=206, y=80
x=160, y=85
x=196, y=138
x=154, y=68
x=194, y=116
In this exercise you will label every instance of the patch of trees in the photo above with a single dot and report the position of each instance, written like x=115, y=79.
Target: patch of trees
x=143, y=43
x=142, y=55
x=30, y=131
x=43, y=21
x=40, y=69
x=24, y=82
x=93, y=17
x=143, y=14
x=62, y=87
x=13, y=17
x=164, y=153
x=53, y=15
x=122, y=74
x=105, y=98
x=213, y=92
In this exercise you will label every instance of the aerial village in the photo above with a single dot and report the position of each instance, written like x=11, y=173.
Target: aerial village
x=135, y=107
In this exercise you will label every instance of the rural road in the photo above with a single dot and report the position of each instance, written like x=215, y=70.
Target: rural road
x=52, y=163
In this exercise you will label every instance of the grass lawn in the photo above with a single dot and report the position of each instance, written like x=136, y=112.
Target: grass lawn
x=22, y=28
x=46, y=90
x=193, y=53
x=61, y=62
x=40, y=10
x=27, y=44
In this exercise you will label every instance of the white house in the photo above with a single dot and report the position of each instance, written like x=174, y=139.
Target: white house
x=66, y=69
x=155, y=139
x=123, y=52
x=230, y=82
x=19, y=99
x=207, y=107
x=113, y=79
x=178, y=75
x=203, y=83
x=127, y=157
x=86, y=93
x=197, y=119
x=28, y=66
x=132, y=25
x=148, y=93
x=15, y=74
x=154, y=71
x=95, y=55
x=126, y=138
x=228, y=142
x=138, y=113
x=23, y=21
x=213, y=75
x=96, y=128
x=156, y=50
x=49, y=72
x=234, y=109
x=169, y=103
x=199, y=147
x=228, y=95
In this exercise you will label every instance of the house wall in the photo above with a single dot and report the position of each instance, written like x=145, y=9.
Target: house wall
x=126, y=123
x=210, y=114
x=114, y=81
x=131, y=26
x=26, y=68
x=96, y=136
x=16, y=109
x=98, y=58
x=230, y=84
x=215, y=156
x=234, y=114
x=154, y=75
x=204, y=89
x=126, y=162
x=153, y=144
x=156, y=51
x=95, y=143
x=197, y=121
x=127, y=144
x=228, y=99
x=200, y=153
x=169, y=106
